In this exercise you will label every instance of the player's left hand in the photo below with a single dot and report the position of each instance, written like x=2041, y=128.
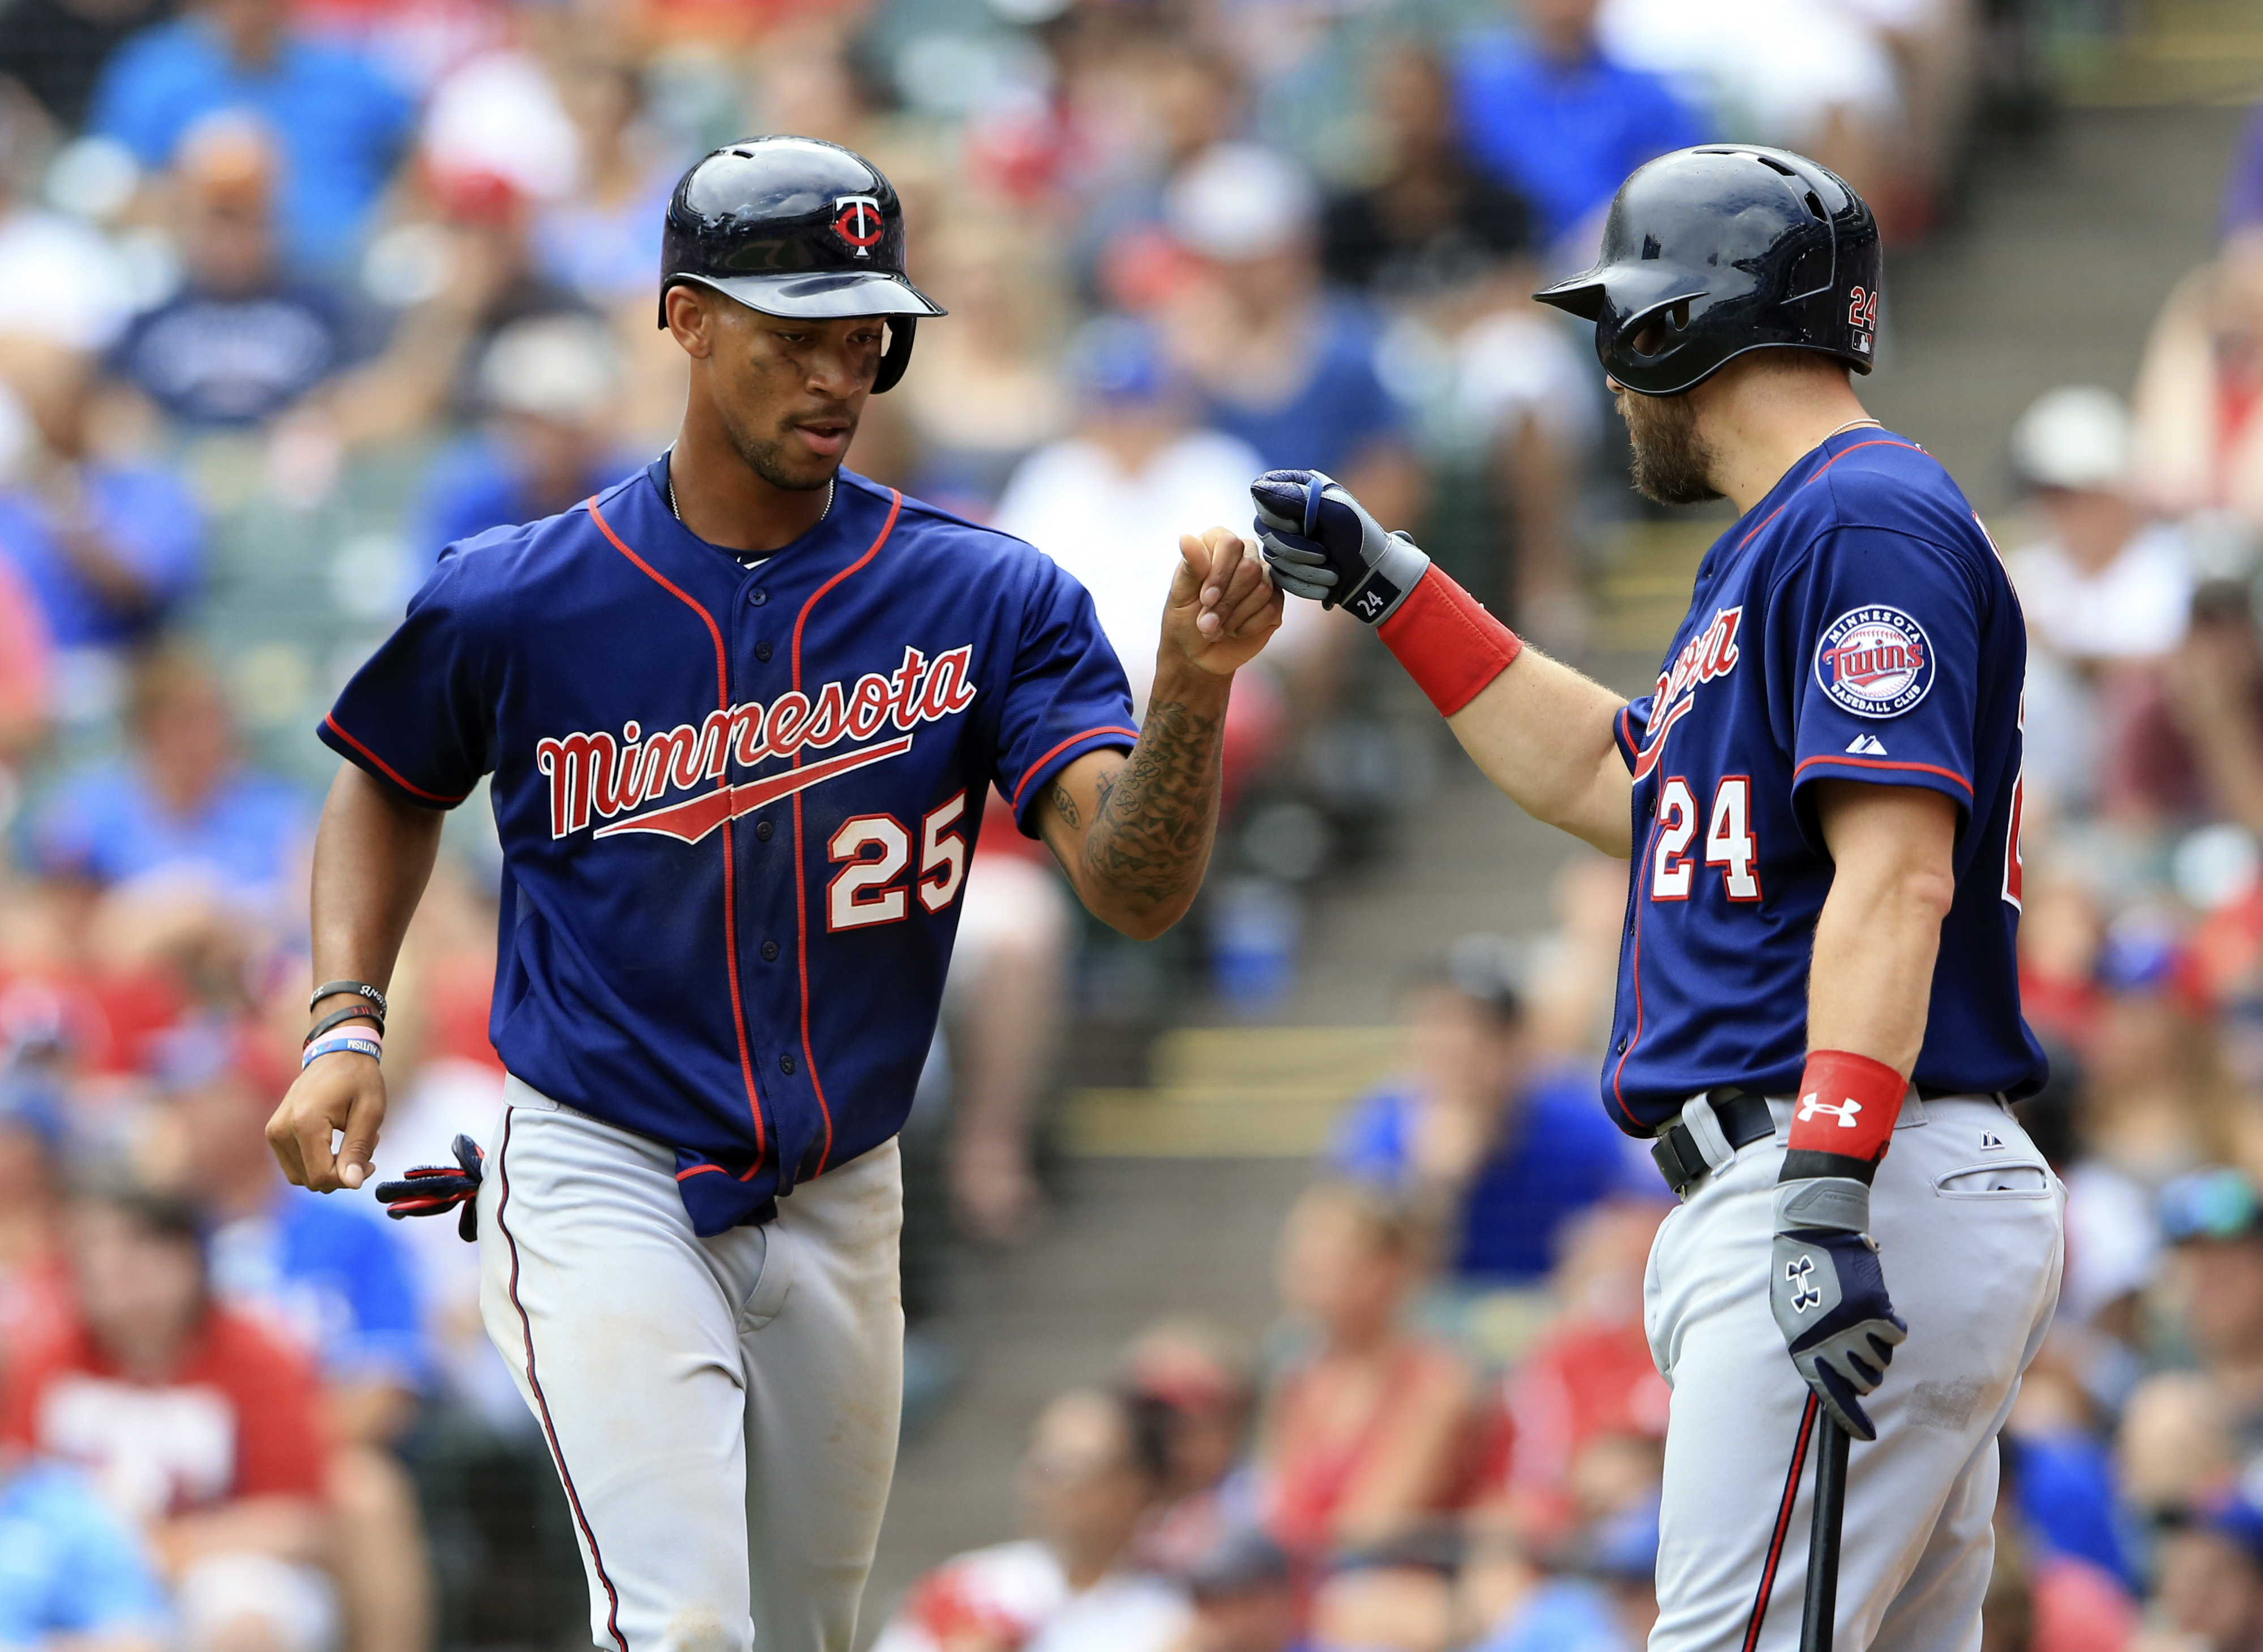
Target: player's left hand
x=1222, y=605
x=1829, y=1296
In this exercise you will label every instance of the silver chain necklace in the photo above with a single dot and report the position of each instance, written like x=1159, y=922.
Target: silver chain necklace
x=1851, y=424
x=831, y=483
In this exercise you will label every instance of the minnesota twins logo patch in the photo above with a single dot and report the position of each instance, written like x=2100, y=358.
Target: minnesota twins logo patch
x=1874, y=661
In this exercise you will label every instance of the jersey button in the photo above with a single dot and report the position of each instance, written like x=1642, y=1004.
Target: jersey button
x=758, y=597
x=763, y=652
x=763, y=830
x=785, y=1065
x=770, y=952
x=1621, y=1051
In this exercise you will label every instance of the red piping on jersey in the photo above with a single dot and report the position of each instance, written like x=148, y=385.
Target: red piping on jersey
x=542, y=1404
x=1826, y=464
x=1782, y=1522
x=1639, y=897
x=698, y=1170
x=388, y=770
x=1882, y=762
x=1016, y=802
x=801, y=883
x=730, y=873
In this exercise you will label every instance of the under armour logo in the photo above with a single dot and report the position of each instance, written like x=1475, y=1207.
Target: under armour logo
x=1812, y=1104
x=1800, y=1276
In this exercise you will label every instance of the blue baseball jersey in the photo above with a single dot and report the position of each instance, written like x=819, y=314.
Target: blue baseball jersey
x=1857, y=625
x=736, y=803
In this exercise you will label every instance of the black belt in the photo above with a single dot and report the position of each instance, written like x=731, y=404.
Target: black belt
x=1743, y=1117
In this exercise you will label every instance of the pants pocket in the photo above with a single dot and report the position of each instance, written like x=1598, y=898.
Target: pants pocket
x=1997, y=1180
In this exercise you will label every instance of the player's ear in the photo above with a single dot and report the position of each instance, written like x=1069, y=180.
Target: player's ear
x=691, y=319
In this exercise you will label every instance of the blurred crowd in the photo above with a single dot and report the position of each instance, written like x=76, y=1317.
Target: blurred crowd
x=295, y=293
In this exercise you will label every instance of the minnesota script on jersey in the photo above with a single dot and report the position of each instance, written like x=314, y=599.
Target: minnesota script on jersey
x=1857, y=624
x=736, y=804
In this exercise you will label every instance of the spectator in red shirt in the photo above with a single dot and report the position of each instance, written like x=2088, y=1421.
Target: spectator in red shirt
x=193, y=1420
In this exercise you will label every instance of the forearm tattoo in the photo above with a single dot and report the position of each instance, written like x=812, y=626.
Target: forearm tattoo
x=1151, y=829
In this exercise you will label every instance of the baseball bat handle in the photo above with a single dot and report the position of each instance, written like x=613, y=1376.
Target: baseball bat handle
x=1822, y=1605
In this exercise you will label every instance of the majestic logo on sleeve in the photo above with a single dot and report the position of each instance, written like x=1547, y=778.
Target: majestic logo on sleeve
x=597, y=774
x=1711, y=654
x=1874, y=661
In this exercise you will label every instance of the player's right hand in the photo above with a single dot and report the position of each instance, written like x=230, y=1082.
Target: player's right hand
x=1829, y=1296
x=1321, y=544
x=342, y=1092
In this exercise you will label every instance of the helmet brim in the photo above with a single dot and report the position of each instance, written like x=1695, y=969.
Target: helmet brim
x=826, y=295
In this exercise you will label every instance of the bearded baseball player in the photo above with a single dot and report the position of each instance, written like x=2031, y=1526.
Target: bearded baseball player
x=1821, y=802
x=740, y=711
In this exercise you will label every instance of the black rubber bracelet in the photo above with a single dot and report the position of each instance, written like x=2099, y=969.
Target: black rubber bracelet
x=359, y=988
x=351, y=1013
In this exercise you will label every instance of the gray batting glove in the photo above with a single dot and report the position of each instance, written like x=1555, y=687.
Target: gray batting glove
x=1321, y=544
x=1829, y=1296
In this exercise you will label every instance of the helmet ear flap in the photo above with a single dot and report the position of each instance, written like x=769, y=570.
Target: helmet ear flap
x=897, y=355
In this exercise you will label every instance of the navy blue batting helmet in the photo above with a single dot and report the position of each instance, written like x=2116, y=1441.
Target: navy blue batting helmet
x=1711, y=252
x=796, y=226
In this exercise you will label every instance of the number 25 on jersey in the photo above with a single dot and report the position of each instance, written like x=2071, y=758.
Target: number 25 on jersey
x=1729, y=842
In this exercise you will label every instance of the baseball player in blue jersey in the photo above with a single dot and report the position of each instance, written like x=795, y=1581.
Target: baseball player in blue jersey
x=740, y=711
x=1820, y=803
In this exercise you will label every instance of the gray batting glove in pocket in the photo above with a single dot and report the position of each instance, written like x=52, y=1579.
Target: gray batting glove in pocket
x=1829, y=1296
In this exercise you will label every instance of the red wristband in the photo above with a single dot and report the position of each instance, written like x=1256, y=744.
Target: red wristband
x=1449, y=644
x=1848, y=1105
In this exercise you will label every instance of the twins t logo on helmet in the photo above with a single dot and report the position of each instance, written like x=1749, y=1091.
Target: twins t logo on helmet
x=1801, y=1277
x=1811, y=1104
x=857, y=221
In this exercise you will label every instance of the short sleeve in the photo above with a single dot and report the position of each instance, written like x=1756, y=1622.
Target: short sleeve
x=1067, y=695
x=419, y=716
x=279, y=1447
x=1874, y=644
x=386, y=1341
x=1629, y=727
x=104, y=1583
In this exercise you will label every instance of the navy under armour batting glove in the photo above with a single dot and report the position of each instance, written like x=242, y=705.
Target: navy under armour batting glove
x=1321, y=544
x=430, y=1189
x=1829, y=1296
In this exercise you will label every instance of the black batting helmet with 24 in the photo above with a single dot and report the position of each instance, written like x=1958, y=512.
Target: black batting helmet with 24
x=1711, y=252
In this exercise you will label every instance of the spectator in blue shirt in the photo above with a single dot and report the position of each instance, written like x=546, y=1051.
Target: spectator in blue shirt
x=1284, y=364
x=183, y=803
x=1560, y=122
x=242, y=340
x=340, y=124
x=108, y=546
x=1509, y=1152
x=71, y=1572
x=551, y=386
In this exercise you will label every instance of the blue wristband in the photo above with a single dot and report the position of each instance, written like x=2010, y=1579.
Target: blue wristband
x=314, y=1052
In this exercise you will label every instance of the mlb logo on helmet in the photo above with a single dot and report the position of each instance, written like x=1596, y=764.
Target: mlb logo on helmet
x=857, y=221
x=1874, y=661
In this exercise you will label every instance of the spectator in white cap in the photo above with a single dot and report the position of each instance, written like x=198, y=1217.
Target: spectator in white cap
x=1285, y=365
x=2106, y=591
x=550, y=386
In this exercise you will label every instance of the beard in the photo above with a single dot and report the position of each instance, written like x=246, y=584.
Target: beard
x=1672, y=464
